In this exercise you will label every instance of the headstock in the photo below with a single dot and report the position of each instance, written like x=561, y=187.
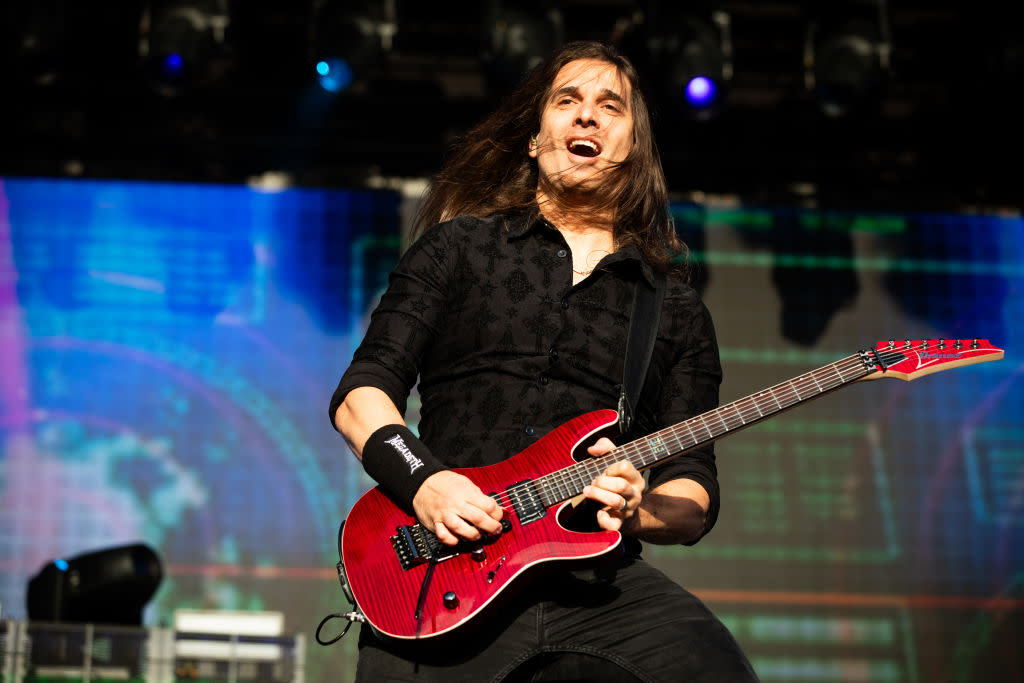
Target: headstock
x=914, y=358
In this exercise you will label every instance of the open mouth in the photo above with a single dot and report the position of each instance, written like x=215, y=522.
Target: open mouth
x=582, y=147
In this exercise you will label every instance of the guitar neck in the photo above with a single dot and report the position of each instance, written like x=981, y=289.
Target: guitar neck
x=671, y=442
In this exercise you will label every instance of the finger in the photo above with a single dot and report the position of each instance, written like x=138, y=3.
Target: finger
x=601, y=446
x=489, y=506
x=614, y=484
x=480, y=519
x=443, y=535
x=626, y=469
x=461, y=528
x=608, y=521
x=611, y=500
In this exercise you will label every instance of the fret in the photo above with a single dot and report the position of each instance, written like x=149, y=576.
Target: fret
x=679, y=442
x=838, y=374
x=633, y=452
x=656, y=447
x=645, y=458
x=578, y=476
x=563, y=487
x=706, y=428
x=815, y=380
x=673, y=434
x=759, y=413
x=795, y=390
x=738, y=413
x=546, y=490
x=547, y=487
x=651, y=457
x=690, y=429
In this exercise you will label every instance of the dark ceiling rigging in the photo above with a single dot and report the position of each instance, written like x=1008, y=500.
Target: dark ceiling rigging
x=860, y=103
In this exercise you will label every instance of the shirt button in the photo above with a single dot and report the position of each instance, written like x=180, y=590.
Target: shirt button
x=553, y=353
x=530, y=431
x=565, y=303
x=562, y=253
x=544, y=380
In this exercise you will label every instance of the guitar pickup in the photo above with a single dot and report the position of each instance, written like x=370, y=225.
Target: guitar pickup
x=525, y=501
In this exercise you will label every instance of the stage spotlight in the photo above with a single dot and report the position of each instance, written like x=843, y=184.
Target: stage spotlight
x=110, y=586
x=347, y=43
x=700, y=91
x=182, y=43
x=846, y=58
x=334, y=75
x=694, y=57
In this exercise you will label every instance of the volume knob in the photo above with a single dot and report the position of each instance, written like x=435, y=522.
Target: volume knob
x=450, y=600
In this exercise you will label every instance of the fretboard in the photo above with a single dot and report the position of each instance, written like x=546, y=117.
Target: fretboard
x=701, y=430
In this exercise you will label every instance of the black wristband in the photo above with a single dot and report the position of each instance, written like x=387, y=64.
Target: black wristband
x=399, y=462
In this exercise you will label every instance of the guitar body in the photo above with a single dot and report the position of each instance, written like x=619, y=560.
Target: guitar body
x=388, y=594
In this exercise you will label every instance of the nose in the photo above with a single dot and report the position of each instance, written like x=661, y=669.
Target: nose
x=585, y=115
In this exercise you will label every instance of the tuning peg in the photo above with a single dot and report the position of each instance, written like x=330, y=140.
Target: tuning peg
x=908, y=345
x=975, y=344
x=958, y=345
x=924, y=344
x=941, y=344
x=891, y=345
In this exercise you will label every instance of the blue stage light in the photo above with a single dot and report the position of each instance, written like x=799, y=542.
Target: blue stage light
x=701, y=91
x=335, y=75
x=61, y=565
x=173, y=66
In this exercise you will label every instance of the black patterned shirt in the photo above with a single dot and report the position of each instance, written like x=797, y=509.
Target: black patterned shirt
x=506, y=348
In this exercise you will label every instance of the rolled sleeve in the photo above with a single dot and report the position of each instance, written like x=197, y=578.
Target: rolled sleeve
x=691, y=388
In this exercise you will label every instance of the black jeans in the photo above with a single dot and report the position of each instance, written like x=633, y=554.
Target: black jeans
x=625, y=621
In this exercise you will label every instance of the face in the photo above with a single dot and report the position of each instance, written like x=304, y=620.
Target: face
x=586, y=124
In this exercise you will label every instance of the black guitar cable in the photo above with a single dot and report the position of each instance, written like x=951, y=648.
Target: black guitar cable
x=352, y=617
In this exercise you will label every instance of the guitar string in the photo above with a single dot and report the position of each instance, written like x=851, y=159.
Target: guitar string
x=572, y=474
x=561, y=480
x=781, y=393
x=556, y=482
x=789, y=392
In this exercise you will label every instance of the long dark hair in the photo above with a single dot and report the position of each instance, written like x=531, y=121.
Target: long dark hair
x=490, y=172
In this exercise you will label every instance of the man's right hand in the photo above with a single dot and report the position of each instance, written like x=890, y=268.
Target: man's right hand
x=454, y=508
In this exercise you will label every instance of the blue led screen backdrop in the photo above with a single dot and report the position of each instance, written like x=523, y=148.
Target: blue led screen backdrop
x=167, y=352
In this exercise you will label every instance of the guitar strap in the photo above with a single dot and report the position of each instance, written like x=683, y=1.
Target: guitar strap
x=643, y=330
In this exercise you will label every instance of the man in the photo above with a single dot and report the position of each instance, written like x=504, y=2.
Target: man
x=513, y=311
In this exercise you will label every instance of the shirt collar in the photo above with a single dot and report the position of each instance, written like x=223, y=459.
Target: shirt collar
x=518, y=226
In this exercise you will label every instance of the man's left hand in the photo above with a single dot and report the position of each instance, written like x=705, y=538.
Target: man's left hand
x=619, y=489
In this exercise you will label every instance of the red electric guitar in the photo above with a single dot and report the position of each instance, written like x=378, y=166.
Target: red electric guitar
x=409, y=585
